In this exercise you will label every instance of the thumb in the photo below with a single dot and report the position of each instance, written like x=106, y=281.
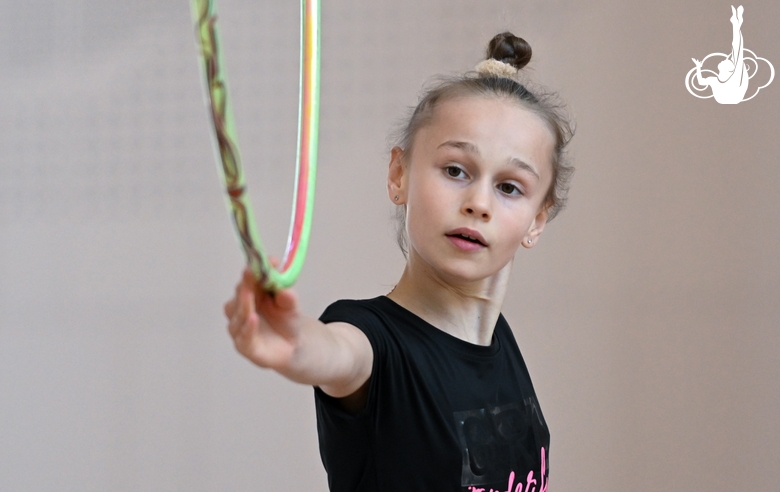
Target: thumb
x=286, y=300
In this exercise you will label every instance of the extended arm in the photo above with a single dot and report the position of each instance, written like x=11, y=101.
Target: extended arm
x=272, y=333
x=701, y=80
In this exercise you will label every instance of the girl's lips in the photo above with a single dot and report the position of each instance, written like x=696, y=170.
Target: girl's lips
x=468, y=235
x=464, y=244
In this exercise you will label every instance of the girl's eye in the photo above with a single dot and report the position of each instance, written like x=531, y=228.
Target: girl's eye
x=509, y=189
x=454, y=172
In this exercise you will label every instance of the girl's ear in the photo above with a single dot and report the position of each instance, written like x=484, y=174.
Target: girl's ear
x=396, y=177
x=537, y=226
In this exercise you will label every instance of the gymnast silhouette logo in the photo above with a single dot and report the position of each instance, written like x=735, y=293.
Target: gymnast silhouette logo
x=735, y=70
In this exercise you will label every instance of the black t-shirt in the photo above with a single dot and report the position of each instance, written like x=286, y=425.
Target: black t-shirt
x=442, y=414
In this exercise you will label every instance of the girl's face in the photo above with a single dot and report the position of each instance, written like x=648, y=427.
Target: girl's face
x=474, y=186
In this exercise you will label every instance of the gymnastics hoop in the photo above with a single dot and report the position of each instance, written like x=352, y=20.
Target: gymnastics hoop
x=226, y=145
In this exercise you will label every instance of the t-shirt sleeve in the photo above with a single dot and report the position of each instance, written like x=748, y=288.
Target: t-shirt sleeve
x=369, y=320
x=345, y=437
x=358, y=313
x=365, y=317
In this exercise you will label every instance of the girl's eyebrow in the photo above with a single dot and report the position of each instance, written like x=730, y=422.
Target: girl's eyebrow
x=470, y=148
x=525, y=166
x=465, y=146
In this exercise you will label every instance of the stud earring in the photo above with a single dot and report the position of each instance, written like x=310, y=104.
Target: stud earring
x=396, y=198
x=530, y=241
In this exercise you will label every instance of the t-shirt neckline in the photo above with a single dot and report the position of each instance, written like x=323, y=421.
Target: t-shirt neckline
x=445, y=339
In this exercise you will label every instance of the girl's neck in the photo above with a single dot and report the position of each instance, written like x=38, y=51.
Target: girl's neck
x=466, y=310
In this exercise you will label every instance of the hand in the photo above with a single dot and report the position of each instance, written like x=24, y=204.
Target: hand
x=269, y=330
x=263, y=325
x=697, y=62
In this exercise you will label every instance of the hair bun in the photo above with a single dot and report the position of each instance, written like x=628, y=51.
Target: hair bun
x=508, y=48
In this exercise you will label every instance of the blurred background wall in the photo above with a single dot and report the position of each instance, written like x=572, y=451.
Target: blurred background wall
x=648, y=314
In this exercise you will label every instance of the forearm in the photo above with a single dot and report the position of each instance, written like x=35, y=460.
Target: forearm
x=699, y=78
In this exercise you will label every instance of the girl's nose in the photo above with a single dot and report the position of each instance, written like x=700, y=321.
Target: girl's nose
x=477, y=203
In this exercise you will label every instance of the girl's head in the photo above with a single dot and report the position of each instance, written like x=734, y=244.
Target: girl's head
x=496, y=79
x=725, y=69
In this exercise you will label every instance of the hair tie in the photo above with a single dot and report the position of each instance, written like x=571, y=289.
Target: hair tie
x=496, y=68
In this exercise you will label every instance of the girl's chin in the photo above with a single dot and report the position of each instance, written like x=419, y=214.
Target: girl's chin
x=456, y=270
x=465, y=274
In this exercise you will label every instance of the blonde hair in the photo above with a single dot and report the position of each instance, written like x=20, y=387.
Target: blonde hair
x=506, y=54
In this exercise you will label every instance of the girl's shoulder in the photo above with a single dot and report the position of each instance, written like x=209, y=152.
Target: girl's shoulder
x=346, y=309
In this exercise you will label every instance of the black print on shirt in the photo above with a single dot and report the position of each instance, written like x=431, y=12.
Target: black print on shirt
x=494, y=441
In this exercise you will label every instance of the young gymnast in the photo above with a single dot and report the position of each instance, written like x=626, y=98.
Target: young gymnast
x=425, y=388
x=731, y=84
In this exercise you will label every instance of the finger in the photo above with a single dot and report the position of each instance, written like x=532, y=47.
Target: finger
x=229, y=308
x=244, y=306
x=248, y=284
x=248, y=277
x=247, y=297
x=233, y=326
x=245, y=331
x=232, y=304
x=241, y=328
x=285, y=300
x=237, y=319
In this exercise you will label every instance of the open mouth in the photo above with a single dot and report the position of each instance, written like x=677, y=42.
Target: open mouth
x=468, y=238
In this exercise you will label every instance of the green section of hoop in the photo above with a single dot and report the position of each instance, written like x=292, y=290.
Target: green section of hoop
x=228, y=156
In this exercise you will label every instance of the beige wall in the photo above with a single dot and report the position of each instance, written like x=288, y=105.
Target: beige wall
x=648, y=315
